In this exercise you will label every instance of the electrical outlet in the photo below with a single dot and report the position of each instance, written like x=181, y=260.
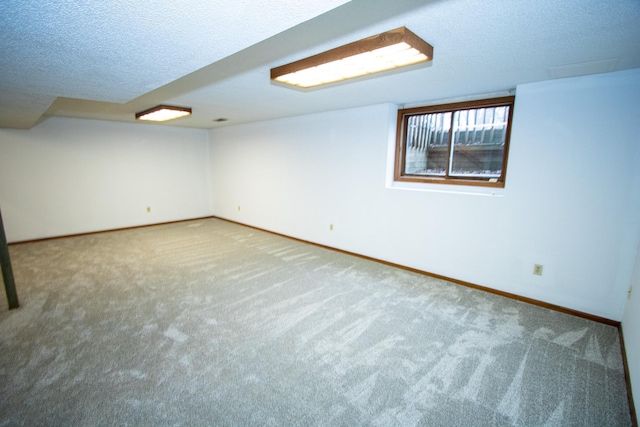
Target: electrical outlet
x=238, y=208
x=148, y=208
x=629, y=292
x=331, y=227
x=537, y=269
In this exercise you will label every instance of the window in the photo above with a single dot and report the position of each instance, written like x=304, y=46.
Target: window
x=466, y=143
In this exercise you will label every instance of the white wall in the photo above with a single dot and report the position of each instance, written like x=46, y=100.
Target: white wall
x=631, y=332
x=570, y=203
x=69, y=176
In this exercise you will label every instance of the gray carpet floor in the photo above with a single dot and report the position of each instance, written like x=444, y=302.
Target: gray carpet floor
x=211, y=323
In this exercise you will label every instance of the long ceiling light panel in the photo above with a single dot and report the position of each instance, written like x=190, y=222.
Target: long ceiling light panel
x=162, y=113
x=393, y=49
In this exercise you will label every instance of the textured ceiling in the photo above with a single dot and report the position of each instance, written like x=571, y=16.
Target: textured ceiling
x=107, y=60
x=117, y=50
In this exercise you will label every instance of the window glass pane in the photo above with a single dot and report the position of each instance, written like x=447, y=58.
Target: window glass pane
x=478, y=142
x=427, y=144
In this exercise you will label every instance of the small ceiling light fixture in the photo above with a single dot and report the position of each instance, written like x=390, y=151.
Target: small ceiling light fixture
x=162, y=113
x=393, y=49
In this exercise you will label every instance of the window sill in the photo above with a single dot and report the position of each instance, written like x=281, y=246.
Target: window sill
x=456, y=187
x=449, y=181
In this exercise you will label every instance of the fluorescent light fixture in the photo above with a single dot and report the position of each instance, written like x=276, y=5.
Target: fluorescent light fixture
x=393, y=49
x=163, y=113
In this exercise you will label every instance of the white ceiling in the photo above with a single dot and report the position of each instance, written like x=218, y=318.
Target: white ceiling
x=107, y=60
